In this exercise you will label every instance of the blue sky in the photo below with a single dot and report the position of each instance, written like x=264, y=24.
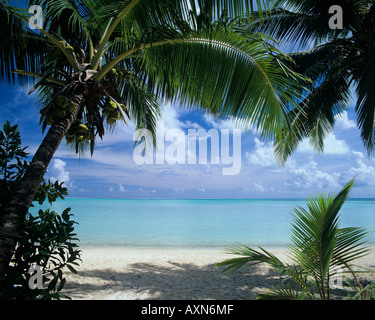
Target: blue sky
x=112, y=172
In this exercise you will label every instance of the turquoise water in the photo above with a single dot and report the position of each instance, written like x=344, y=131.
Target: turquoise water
x=196, y=223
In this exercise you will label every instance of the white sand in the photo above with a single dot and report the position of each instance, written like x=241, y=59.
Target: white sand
x=170, y=274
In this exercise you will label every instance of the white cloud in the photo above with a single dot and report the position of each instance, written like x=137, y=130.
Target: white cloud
x=344, y=122
x=170, y=118
x=58, y=172
x=221, y=124
x=332, y=146
x=259, y=187
x=263, y=154
x=308, y=176
x=365, y=173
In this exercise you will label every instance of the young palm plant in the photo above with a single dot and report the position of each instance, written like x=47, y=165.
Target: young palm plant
x=98, y=61
x=320, y=251
x=338, y=61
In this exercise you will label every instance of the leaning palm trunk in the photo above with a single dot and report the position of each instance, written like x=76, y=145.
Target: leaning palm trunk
x=23, y=197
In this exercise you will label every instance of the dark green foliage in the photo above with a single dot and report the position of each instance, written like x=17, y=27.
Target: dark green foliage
x=339, y=61
x=12, y=163
x=48, y=239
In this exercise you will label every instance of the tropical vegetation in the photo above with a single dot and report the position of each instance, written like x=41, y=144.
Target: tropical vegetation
x=100, y=61
x=47, y=239
x=340, y=61
x=321, y=254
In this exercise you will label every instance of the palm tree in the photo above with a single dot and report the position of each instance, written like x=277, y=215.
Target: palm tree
x=320, y=251
x=98, y=61
x=337, y=60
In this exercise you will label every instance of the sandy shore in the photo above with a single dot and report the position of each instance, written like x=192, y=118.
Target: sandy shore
x=170, y=274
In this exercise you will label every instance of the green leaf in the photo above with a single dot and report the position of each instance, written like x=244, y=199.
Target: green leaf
x=71, y=268
x=61, y=285
x=52, y=284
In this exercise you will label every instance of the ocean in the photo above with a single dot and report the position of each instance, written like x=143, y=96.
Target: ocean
x=196, y=223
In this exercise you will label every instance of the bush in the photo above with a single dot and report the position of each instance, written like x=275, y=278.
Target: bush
x=47, y=242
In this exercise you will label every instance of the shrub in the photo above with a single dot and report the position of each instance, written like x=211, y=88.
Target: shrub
x=47, y=241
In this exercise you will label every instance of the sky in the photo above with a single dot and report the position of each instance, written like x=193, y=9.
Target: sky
x=114, y=172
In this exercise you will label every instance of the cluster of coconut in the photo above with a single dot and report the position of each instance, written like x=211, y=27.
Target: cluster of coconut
x=59, y=111
x=111, y=111
x=79, y=133
x=114, y=74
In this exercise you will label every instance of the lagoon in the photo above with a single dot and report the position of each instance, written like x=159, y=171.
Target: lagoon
x=197, y=223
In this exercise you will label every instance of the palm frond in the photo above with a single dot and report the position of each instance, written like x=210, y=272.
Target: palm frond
x=315, y=234
x=365, y=107
x=328, y=97
x=141, y=14
x=249, y=257
x=20, y=47
x=338, y=59
x=226, y=74
x=281, y=293
x=349, y=246
x=295, y=28
x=142, y=103
x=320, y=250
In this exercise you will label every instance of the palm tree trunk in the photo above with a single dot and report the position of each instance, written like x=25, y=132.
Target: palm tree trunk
x=23, y=197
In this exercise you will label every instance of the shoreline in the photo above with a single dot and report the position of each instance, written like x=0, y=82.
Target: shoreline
x=132, y=273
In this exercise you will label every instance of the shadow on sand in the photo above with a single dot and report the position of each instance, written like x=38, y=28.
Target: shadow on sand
x=176, y=281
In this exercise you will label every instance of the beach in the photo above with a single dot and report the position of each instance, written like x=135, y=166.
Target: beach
x=122, y=273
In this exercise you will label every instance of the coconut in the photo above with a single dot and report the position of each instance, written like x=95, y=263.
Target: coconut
x=111, y=120
x=80, y=139
x=51, y=118
x=72, y=107
x=49, y=121
x=82, y=128
x=60, y=113
x=69, y=138
x=61, y=101
x=106, y=111
x=111, y=105
x=115, y=114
